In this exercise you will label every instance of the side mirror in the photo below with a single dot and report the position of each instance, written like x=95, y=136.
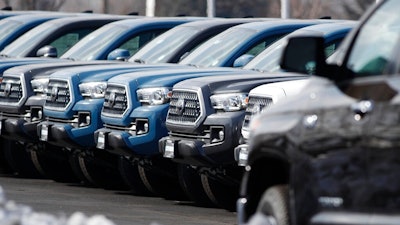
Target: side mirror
x=305, y=55
x=47, y=51
x=243, y=60
x=119, y=54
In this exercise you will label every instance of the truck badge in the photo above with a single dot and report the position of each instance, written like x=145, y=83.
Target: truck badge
x=7, y=90
x=111, y=100
x=54, y=94
x=180, y=106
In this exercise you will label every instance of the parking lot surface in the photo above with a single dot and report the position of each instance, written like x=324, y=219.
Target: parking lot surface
x=120, y=207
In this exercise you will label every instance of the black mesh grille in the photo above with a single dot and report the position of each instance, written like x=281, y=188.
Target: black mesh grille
x=10, y=90
x=184, y=107
x=58, y=94
x=115, y=101
x=255, y=106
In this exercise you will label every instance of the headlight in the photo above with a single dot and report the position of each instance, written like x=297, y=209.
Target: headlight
x=154, y=96
x=229, y=102
x=39, y=86
x=93, y=89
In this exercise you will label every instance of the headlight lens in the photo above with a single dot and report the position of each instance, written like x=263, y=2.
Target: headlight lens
x=93, y=89
x=229, y=102
x=154, y=96
x=39, y=86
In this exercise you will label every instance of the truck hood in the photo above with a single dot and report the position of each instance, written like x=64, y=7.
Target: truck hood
x=167, y=78
x=43, y=70
x=235, y=83
x=102, y=72
x=279, y=90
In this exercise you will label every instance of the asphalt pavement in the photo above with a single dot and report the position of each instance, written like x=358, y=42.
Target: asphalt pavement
x=122, y=208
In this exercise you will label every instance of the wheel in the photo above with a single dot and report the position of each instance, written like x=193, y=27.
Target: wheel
x=100, y=169
x=274, y=204
x=18, y=159
x=53, y=162
x=190, y=182
x=5, y=167
x=130, y=174
x=221, y=194
x=160, y=177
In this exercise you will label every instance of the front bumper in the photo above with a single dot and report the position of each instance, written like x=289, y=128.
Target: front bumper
x=64, y=135
x=138, y=142
x=215, y=149
x=19, y=129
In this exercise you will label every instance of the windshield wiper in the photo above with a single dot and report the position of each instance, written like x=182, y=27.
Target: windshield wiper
x=4, y=55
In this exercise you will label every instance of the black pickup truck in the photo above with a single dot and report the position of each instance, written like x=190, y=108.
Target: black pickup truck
x=330, y=154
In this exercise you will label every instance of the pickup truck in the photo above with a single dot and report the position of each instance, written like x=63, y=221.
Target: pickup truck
x=17, y=116
x=329, y=155
x=206, y=144
x=60, y=33
x=14, y=26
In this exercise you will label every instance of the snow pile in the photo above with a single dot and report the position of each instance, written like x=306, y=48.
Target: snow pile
x=16, y=214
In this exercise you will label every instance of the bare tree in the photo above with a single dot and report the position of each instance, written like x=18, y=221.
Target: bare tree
x=48, y=5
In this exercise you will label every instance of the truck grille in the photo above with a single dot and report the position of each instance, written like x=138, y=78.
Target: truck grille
x=256, y=105
x=115, y=101
x=184, y=107
x=10, y=90
x=58, y=95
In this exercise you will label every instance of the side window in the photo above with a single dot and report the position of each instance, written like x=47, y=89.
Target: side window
x=377, y=42
x=138, y=41
x=66, y=40
x=260, y=46
x=331, y=47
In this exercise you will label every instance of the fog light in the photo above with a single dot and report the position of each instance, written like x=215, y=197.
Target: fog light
x=217, y=134
x=84, y=119
x=142, y=126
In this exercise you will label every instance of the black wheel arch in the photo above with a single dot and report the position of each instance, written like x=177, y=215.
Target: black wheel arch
x=270, y=167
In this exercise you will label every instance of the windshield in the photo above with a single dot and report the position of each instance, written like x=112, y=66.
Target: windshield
x=23, y=45
x=93, y=44
x=215, y=50
x=269, y=59
x=376, y=41
x=8, y=27
x=161, y=48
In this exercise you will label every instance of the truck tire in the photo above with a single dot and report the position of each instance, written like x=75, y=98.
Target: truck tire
x=274, y=204
x=100, y=174
x=130, y=174
x=53, y=162
x=161, y=178
x=190, y=182
x=221, y=194
x=18, y=159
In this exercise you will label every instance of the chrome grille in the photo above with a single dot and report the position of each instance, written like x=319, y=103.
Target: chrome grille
x=11, y=90
x=256, y=105
x=58, y=95
x=184, y=107
x=115, y=101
